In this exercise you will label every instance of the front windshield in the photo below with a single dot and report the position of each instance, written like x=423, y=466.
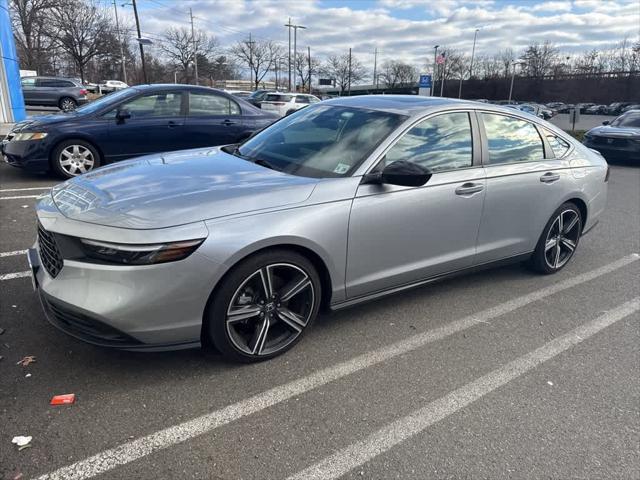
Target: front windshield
x=631, y=119
x=321, y=141
x=105, y=101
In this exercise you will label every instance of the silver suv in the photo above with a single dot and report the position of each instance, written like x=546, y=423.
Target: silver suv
x=64, y=93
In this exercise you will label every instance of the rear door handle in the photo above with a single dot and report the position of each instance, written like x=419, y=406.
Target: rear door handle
x=228, y=122
x=469, y=188
x=549, y=177
x=172, y=124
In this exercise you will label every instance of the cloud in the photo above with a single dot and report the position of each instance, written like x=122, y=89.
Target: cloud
x=334, y=28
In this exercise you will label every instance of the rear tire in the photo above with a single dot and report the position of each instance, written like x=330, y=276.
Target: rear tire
x=74, y=157
x=558, y=241
x=263, y=306
x=67, y=104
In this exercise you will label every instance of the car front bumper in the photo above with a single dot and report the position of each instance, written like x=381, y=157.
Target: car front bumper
x=627, y=152
x=32, y=155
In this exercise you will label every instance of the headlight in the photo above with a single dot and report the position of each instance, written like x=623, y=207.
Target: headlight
x=139, y=254
x=28, y=136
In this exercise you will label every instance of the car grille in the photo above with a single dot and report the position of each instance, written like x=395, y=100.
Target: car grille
x=612, y=142
x=49, y=252
x=85, y=327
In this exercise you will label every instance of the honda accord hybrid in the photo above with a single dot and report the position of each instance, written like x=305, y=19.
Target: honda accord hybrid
x=238, y=247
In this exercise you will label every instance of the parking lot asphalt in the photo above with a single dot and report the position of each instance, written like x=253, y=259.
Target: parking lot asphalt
x=499, y=374
x=586, y=122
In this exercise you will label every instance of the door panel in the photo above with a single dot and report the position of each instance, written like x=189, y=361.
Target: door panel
x=399, y=235
x=213, y=119
x=519, y=201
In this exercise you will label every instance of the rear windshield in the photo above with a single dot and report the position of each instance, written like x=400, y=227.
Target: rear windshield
x=630, y=119
x=277, y=98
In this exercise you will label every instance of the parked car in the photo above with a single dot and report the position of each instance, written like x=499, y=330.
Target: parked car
x=64, y=93
x=635, y=106
x=555, y=105
x=240, y=93
x=617, y=107
x=529, y=108
x=110, y=86
x=597, y=110
x=566, y=108
x=342, y=202
x=286, y=103
x=256, y=97
x=132, y=122
x=583, y=106
x=619, y=139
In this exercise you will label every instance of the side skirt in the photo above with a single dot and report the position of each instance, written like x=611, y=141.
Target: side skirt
x=445, y=276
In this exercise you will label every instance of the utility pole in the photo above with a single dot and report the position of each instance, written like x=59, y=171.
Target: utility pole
x=513, y=74
x=444, y=71
x=309, y=60
x=250, y=43
x=435, y=66
x=349, y=72
x=124, y=70
x=144, y=66
x=195, y=48
x=375, y=67
x=288, y=25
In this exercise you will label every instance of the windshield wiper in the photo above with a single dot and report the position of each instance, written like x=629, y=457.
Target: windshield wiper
x=264, y=163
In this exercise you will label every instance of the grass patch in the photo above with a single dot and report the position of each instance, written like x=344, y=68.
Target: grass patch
x=577, y=134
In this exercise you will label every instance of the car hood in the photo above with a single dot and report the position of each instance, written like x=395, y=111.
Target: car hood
x=164, y=190
x=619, y=132
x=39, y=121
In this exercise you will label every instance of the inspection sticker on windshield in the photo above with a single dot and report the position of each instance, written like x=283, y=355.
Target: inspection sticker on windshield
x=341, y=168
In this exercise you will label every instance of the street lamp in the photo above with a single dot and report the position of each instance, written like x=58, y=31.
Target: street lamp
x=433, y=80
x=513, y=74
x=289, y=25
x=473, y=51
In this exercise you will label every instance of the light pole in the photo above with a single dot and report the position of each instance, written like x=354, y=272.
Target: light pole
x=124, y=70
x=473, y=51
x=140, y=42
x=435, y=66
x=513, y=74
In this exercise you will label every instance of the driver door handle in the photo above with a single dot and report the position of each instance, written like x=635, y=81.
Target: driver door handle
x=469, y=188
x=228, y=122
x=549, y=177
x=172, y=124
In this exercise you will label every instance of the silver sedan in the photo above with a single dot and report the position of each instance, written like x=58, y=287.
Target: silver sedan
x=238, y=247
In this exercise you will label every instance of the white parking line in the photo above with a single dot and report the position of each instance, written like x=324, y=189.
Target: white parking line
x=19, y=197
x=11, y=276
x=143, y=446
x=11, y=254
x=345, y=460
x=2, y=190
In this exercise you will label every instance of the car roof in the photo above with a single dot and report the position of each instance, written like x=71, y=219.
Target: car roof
x=176, y=86
x=412, y=105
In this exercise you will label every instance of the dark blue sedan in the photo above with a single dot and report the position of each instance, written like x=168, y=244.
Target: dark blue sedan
x=129, y=123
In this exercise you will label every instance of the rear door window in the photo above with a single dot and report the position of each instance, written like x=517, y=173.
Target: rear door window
x=277, y=98
x=210, y=104
x=511, y=140
x=28, y=82
x=163, y=104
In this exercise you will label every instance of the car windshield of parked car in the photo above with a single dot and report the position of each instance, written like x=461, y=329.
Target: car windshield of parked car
x=321, y=141
x=105, y=101
x=631, y=119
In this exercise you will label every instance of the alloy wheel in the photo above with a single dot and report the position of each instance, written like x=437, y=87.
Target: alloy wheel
x=67, y=105
x=270, y=309
x=76, y=159
x=562, y=239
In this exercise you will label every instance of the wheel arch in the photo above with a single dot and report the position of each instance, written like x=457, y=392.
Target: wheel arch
x=582, y=206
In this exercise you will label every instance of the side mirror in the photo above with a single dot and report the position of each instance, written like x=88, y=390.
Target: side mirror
x=402, y=173
x=122, y=115
x=606, y=122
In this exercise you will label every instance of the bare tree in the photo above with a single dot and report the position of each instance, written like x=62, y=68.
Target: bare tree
x=396, y=73
x=301, y=67
x=258, y=55
x=32, y=31
x=83, y=31
x=539, y=60
x=337, y=68
x=178, y=47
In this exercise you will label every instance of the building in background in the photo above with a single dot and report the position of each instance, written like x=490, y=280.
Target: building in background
x=11, y=101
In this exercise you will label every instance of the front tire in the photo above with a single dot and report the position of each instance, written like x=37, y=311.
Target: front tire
x=559, y=240
x=263, y=306
x=74, y=157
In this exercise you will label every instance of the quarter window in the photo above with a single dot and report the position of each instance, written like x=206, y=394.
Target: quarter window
x=164, y=104
x=207, y=104
x=559, y=146
x=439, y=143
x=28, y=82
x=511, y=140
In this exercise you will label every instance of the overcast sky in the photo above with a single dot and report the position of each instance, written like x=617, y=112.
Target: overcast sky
x=403, y=29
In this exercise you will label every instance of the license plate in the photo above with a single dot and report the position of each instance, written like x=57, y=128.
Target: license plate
x=34, y=265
